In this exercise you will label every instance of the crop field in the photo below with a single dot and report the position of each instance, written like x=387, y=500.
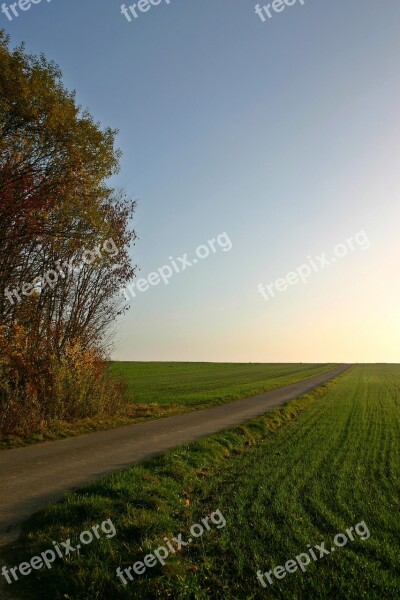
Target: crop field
x=200, y=385
x=155, y=390
x=291, y=481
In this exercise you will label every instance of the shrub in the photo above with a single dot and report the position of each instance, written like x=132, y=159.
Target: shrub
x=38, y=387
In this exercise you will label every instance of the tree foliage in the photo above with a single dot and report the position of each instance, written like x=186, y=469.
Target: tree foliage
x=55, y=202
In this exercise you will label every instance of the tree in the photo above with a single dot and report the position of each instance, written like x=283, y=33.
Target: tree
x=55, y=202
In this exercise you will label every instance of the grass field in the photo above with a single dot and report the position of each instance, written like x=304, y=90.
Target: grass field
x=157, y=390
x=200, y=385
x=298, y=476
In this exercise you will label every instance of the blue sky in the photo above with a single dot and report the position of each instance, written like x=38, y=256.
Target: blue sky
x=284, y=134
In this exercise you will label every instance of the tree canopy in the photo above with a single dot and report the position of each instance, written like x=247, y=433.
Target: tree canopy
x=55, y=204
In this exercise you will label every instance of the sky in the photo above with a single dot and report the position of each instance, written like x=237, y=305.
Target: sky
x=279, y=139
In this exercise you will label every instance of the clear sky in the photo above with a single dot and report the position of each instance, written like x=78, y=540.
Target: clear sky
x=285, y=134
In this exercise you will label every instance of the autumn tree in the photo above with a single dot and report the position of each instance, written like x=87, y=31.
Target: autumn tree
x=55, y=203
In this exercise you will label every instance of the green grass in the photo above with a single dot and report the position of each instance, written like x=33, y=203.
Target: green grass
x=201, y=385
x=297, y=476
x=159, y=390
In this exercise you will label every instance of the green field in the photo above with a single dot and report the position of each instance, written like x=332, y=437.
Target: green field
x=157, y=390
x=200, y=385
x=298, y=476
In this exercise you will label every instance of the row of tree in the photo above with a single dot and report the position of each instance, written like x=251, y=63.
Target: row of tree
x=55, y=161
